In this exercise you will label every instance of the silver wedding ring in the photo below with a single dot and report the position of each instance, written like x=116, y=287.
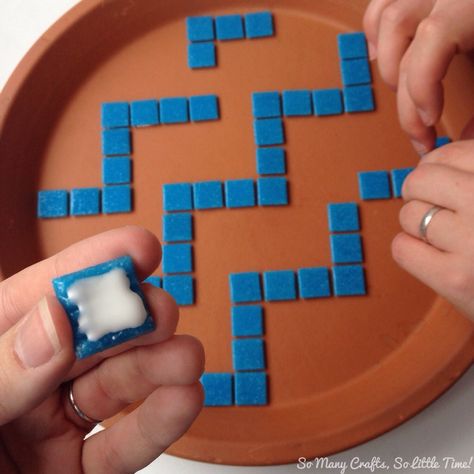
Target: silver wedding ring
x=77, y=410
x=426, y=221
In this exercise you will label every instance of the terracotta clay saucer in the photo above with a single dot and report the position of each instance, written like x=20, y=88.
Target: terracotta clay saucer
x=340, y=370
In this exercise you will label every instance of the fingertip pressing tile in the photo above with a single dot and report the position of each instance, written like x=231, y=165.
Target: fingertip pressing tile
x=145, y=113
x=247, y=320
x=343, y=217
x=218, y=389
x=297, y=103
x=177, y=227
x=203, y=108
x=156, y=281
x=53, y=203
x=441, y=141
x=245, y=287
x=115, y=115
x=229, y=27
x=314, y=282
x=250, y=388
x=327, y=102
x=240, y=193
x=116, y=199
x=352, y=45
x=358, y=99
x=200, y=28
x=272, y=191
x=85, y=201
x=201, y=55
x=271, y=161
x=174, y=110
x=348, y=280
x=259, y=25
x=208, y=195
x=346, y=248
x=266, y=104
x=398, y=178
x=116, y=141
x=177, y=258
x=374, y=185
x=117, y=170
x=181, y=288
x=177, y=197
x=279, y=285
x=355, y=72
x=248, y=354
x=269, y=132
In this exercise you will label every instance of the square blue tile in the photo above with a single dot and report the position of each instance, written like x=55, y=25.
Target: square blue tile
x=116, y=199
x=358, y=99
x=203, y=107
x=272, y=191
x=53, y=203
x=177, y=227
x=181, y=288
x=268, y=132
x=259, y=25
x=247, y=320
x=327, y=102
x=240, y=193
x=279, y=285
x=248, y=354
x=174, y=110
x=314, y=282
x=85, y=201
x=117, y=170
x=116, y=141
x=115, y=114
x=343, y=217
x=297, y=102
x=85, y=346
x=201, y=55
x=346, y=248
x=145, y=113
x=200, y=28
x=245, y=287
x=441, y=141
x=218, y=389
x=266, y=104
x=250, y=388
x=177, y=258
x=355, y=72
x=156, y=281
x=398, y=178
x=229, y=27
x=352, y=45
x=271, y=161
x=208, y=195
x=374, y=185
x=177, y=197
x=348, y=280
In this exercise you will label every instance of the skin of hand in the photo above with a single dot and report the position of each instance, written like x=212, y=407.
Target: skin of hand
x=39, y=430
x=414, y=42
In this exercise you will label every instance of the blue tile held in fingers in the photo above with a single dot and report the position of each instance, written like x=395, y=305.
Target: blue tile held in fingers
x=116, y=141
x=352, y=45
x=355, y=72
x=177, y=197
x=359, y=99
x=346, y=248
x=116, y=199
x=181, y=288
x=441, y=141
x=250, y=388
x=201, y=55
x=279, y=285
x=240, y=193
x=259, y=25
x=115, y=114
x=117, y=170
x=218, y=389
x=327, y=102
x=398, y=178
x=247, y=320
x=155, y=281
x=53, y=203
x=85, y=201
x=248, y=354
x=314, y=282
x=203, y=108
x=145, y=113
x=177, y=258
x=208, y=195
x=297, y=102
x=271, y=161
x=374, y=185
x=174, y=110
x=266, y=104
x=245, y=287
x=343, y=217
x=200, y=28
x=229, y=27
x=177, y=227
x=115, y=329
x=268, y=132
x=348, y=280
x=272, y=191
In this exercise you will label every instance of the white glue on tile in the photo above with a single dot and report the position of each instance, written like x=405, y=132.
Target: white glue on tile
x=106, y=304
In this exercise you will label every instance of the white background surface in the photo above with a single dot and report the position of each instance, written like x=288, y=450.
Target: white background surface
x=446, y=428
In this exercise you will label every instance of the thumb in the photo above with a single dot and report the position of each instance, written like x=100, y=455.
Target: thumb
x=36, y=356
x=468, y=132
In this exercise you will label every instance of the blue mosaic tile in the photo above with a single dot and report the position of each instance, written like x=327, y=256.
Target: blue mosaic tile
x=53, y=203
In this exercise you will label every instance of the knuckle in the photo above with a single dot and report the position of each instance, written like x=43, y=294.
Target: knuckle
x=431, y=27
x=460, y=282
x=192, y=358
x=395, y=15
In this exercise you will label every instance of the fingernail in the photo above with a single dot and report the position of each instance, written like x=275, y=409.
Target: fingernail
x=372, y=51
x=419, y=147
x=426, y=118
x=37, y=341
